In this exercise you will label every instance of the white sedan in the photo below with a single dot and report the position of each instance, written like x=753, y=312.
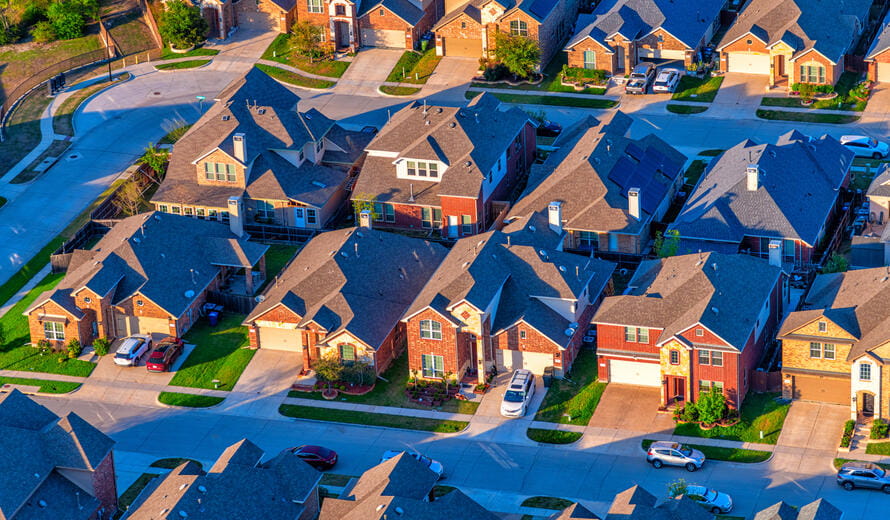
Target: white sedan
x=667, y=81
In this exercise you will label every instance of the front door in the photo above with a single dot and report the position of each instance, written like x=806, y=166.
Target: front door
x=678, y=388
x=868, y=405
x=342, y=30
x=452, y=226
x=299, y=217
x=620, y=57
x=780, y=65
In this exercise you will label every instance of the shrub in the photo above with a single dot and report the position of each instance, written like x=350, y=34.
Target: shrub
x=181, y=24
x=595, y=76
x=358, y=373
x=847, y=437
x=689, y=413
x=306, y=39
x=74, y=348
x=711, y=406
x=836, y=264
x=879, y=429
x=100, y=346
x=69, y=17
x=495, y=72
x=43, y=32
x=519, y=54
x=9, y=30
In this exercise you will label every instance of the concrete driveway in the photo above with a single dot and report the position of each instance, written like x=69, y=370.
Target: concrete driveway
x=814, y=426
x=633, y=408
x=369, y=69
x=741, y=91
x=264, y=383
x=451, y=79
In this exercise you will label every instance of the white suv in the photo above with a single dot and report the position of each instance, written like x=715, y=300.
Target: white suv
x=132, y=349
x=519, y=393
x=864, y=146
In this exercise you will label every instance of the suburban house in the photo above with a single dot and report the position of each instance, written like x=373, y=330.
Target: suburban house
x=507, y=300
x=621, y=33
x=793, y=41
x=254, y=154
x=878, y=57
x=767, y=199
x=54, y=467
x=637, y=503
x=343, y=295
x=819, y=509
x=238, y=486
x=401, y=487
x=690, y=323
x=603, y=189
x=837, y=347
x=871, y=242
x=468, y=29
x=151, y=273
x=449, y=170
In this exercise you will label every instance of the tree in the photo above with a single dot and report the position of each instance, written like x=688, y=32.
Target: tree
x=100, y=346
x=328, y=369
x=9, y=30
x=306, y=39
x=538, y=116
x=836, y=264
x=67, y=19
x=519, y=54
x=666, y=244
x=677, y=488
x=156, y=159
x=362, y=202
x=129, y=199
x=181, y=24
x=43, y=32
x=2, y=335
x=711, y=406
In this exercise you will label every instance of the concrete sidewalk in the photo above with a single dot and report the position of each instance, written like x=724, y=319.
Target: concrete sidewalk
x=390, y=410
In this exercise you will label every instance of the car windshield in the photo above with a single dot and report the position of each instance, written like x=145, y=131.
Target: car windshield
x=711, y=495
x=513, y=396
x=873, y=142
x=323, y=452
x=879, y=472
x=686, y=451
x=122, y=355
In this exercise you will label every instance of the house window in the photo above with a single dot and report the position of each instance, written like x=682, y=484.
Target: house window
x=433, y=366
x=704, y=357
x=815, y=350
x=643, y=335
x=384, y=212
x=264, y=209
x=430, y=329
x=521, y=334
x=463, y=25
x=589, y=60
x=587, y=240
x=630, y=334
x=209, y=171
x=311, y=216
x=315, y=6
x=716, y=358
x=699, y=332
x=705, y=386
x=347, y=353
x=211, y=214
x=162, y=208
x=431, y=218
x=422, y=169
x=823, y=326
x=340, y=10
x=466, y=224
x=827, y=351
x=224, y=216
x=87, y=299
x=53, y=331
x=812, y=72
x=200, y=213
x=865, y=372
x=176, y=210
x=750, y=42
x=382, y=12
x=675, y=357
x=140, y=303
x=188, y=212
x=788, y=250
x=518, y=28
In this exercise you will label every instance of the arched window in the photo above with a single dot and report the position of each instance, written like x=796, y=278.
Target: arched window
x=518, y=28
x=430, y=329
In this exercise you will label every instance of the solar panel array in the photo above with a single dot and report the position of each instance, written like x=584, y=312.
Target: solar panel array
x=649, y=170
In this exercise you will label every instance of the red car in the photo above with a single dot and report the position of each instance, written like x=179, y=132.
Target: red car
x=317, y=456
x=163, y=357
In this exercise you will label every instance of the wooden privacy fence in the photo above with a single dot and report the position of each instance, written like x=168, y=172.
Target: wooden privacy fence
x=232, y=302
x=766, y=381
x=61, y=258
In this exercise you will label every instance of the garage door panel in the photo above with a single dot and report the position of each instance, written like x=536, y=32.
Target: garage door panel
x=128, y=325
x=822, y=389
x=661, y=54
x=467, y=48
x=749, y=62
x=383, y=38
x=634, y=373
x=272, y=338
x=510, y=360
x=884, y=72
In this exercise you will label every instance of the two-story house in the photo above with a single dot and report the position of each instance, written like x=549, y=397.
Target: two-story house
x=871, y=243
x=690, y=323
x=621, y=33
x=468, y=29
x=506, y=299
x=343, y=296
x=446, y=169
x=793, y=41
x=253, y=148
x=150, y=273
x=603, y=189
x=836, y=349
x=753, y=194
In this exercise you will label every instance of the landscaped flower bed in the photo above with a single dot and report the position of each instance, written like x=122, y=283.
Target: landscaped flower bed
x=584, y=78
x=431, y=393
x=847, y=437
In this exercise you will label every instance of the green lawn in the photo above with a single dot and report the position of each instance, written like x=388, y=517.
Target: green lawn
x=546, y=503
x=63, y=118
x=171, y=462
x=277, y=257
x=686, y=109
x=279, y=50
x=372, y=419
x=335, y=479
x=390, y=391
x=167, y=54
x=128, y=496
x=46, y=387
x=697, y=89
x=552, y=81
x=843, y=101
x=760, y=412
x=725, y=454
x=17, y=64
x=178, y=65
x=552, y=436
x=398, y=91
x=562, y=101
x=840, y=462
x=878, y=448
x=174, y=135
x=219, y=354
x=414, y=67
x=695, y=171
x=806, y=117
x=576, y=396
x=189, y=400
x=22, y=128
x=293, y=78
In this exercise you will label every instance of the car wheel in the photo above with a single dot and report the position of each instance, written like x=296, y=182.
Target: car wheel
x=657, y=464
x=716, y=510
x=690, y=467
x=876, y=156
x=848, y=486
x=886, y=489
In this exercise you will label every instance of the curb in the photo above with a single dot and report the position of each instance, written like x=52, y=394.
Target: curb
x=396, y=96
x=178, y=407
x=86, y=100
x=210, y=60
x=386, y=428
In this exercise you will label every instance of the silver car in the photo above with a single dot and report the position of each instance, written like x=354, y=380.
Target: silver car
x=710, y=499
x=863, y=475
x=674, y=454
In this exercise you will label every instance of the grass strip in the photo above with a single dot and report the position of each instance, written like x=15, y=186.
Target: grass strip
x=686, y=109
x=878, y=448
x=280, y=50
x=806, y=117
x=840, y=462
x=178, y=65
x=711, y=153
x=398, y=91
x=562, y=101
x=725, y=454
x=128, y=496
x=171, y=462
x=574, y=399
x=174, y=135
x=552, y=436
x=55, y=149
x=372, y=419
x=168, y=54
x=335, y=479
x=293, y=78
x=189, y=400
x=414, y=67
x=46, y=386
x=540, y=502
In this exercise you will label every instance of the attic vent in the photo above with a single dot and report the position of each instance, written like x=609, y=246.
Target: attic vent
x=453, y=124
x=570, y=332
x=183, y=514
x=261, y=111
x=439, y=110
x=183, y=486
x=381, y=507
x=136, y=239
x=427, y=122
x=772, y=153
x=466, y=264
x=399, y=510
x=157, y=217
x=189, y=294
x=307, y=116
x=532, y=229
x=468, y=164
x=562, y=268
x=344, y=254
x=319, y=184
x=42, y=503
x=359, y=234
x=226, y=118
x=715, y=310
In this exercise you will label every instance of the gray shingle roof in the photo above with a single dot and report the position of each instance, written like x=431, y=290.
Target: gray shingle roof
x=159, y=255
x=777, y=511
x=880, y=185
x=405, y=9
x=63, y=498
x=882, y=39
x=477, y=134
x=688, y=21
x=573, y=512
x=470, y=9
x=798, y=187
x=580, y=174
x=675, y=293
x=820, y=509
x=354, y=279
x=829, y=26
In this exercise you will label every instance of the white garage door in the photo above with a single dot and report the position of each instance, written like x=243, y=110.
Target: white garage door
x=749, y=62
x=383, y=38
x=273, y=338
x=661, y=54
x=129, y=325
x=884, y=72
x=510, y=360
x=634, y=373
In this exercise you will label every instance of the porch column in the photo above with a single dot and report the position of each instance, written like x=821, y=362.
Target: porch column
x=480, y=360
x=248, y=276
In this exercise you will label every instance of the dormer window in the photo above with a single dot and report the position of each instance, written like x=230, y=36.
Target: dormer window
x=423, y=169
x=219, y=172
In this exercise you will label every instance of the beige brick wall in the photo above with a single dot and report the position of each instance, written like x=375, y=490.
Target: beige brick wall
x=796, y=350
x=218, y=156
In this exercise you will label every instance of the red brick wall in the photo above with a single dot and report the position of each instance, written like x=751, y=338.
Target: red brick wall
x=453, y=29
x=604, y=60
x=81, y=330
x=148, y=309
x=668, y=42
x=612, y=337
x=458, y=206
x=391, y=348
x=727, y=374
x=104, y=484
x=741, y=45
x=883, y=57
x=832, y=72
x=454, y=347
x=707, y=337
x=389, y=22
x=312, y=506
x=278, y=314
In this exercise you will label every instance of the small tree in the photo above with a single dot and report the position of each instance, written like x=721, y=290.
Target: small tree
x=836, y=264
x=129, y=199
x=181, y=24
x=666, y=244
x=67, y=19
x=362, y=202
x=100, y=346
x=74, y=348
x=43, y=32
x=519, y=54
x=677, y=488
x=306, y=38
x=538, y=116
x=156, y=159
x=711, y=406
x=328, y=369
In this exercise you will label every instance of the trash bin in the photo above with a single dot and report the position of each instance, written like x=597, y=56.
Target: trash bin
x=213, y=316
x=548, y=376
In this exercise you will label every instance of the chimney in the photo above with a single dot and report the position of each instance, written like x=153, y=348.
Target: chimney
x=364, y=219
x=239, y=143
x=554, y=216
x=236, y=216
x=633, y=202
x=775, y=253
x=753, y=176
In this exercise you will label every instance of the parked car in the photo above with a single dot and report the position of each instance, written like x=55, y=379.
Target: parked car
x=318, y=457
x=712, y=500
x=132, y=349
x=163, y=357
x=864, y=475
x=436, y=466
x=674, y=454
x=666, y=81
x=864, y=146
x=548, y=129
x=519, y=393
x=640, y=79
